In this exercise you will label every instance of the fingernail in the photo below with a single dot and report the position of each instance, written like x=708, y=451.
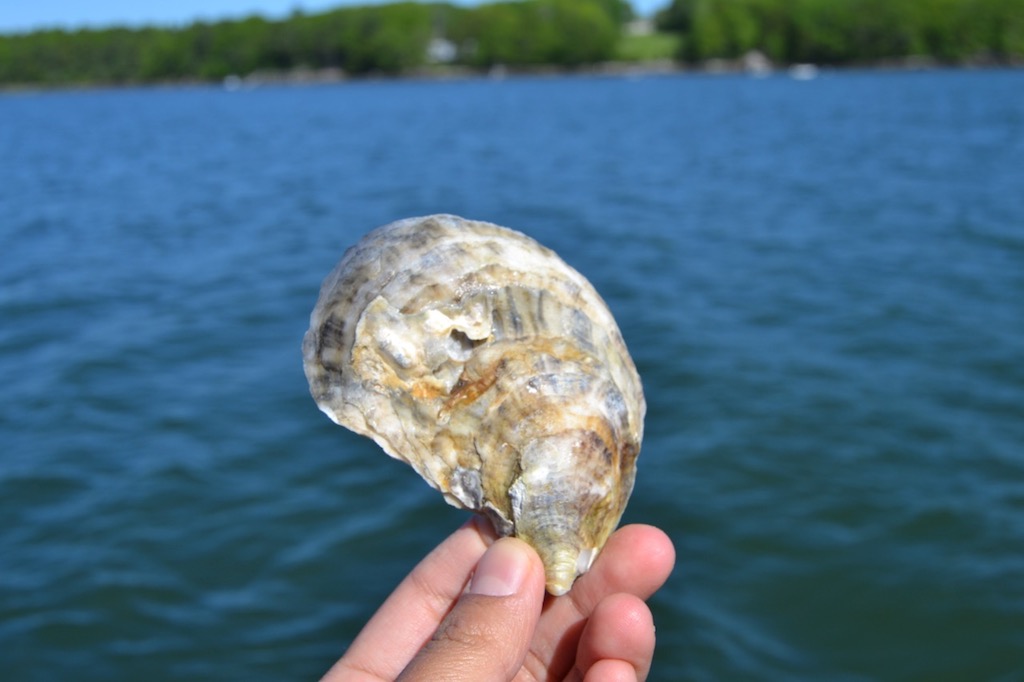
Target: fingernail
x=501, y=570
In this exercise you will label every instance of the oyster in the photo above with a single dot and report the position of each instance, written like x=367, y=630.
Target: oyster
x=494, y=369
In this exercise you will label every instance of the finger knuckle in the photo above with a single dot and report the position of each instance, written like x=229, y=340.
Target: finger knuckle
x=462, y=631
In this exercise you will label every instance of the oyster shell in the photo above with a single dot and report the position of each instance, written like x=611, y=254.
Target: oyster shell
x=480, y=358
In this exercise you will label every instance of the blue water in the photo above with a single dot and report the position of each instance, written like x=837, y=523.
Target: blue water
x=822, y=284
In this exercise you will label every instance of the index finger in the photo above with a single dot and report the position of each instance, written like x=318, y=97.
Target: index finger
x=409, y=617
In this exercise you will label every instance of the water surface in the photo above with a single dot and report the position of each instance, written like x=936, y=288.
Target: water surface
x=821, y=283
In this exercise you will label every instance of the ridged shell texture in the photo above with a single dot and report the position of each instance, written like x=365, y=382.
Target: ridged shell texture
x=494, y=369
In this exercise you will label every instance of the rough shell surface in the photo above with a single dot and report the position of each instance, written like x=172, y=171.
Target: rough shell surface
x=494, y=369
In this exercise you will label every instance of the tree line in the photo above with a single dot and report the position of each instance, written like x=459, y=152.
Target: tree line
x=387, y=39
x=848, y=31
x=397, y=38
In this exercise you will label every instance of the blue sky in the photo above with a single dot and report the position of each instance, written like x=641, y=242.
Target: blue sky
x=26, y=15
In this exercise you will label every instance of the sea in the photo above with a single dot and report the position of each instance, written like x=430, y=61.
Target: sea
x=820, y=279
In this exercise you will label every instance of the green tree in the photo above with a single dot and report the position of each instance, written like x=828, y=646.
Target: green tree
x=844, y=31
x=393, y=38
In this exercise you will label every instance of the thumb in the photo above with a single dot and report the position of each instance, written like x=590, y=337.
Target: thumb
x=487, y=633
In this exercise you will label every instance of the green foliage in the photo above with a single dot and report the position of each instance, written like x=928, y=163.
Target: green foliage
x=393, y=38
x=642, y=48
x=560, y=32
x=846, y=31
x=388, y=39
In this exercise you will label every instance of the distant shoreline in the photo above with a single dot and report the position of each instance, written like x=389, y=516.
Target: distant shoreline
x=444, y=41
x=658, y=67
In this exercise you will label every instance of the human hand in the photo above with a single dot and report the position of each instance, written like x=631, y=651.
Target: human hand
x=503, y=626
